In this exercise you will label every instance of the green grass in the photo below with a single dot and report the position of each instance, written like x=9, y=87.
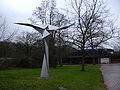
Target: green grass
x=69, y=77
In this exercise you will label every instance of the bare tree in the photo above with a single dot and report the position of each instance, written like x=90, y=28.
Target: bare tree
x=47, y=13
x=99, y=35
x=28, y=40
x=92, y=25
x=5, y=34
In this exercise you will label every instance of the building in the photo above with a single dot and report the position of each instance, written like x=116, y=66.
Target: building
x=115, y=58
x=96, y=56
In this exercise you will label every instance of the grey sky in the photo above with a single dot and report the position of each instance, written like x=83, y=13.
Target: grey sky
x=17, y=11
x=114, y=7
x=21, y=10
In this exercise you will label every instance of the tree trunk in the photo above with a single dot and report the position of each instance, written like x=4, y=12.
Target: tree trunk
x=60, y=62
x=94, y=62
x=93, y=55
x=53, y=60
x=83, y=64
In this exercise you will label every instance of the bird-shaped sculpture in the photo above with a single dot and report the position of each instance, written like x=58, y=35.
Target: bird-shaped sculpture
x=45, y=31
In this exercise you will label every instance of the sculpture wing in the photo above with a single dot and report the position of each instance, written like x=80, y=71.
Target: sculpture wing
x=44, y=32
x=65, y=27
x=27, y=24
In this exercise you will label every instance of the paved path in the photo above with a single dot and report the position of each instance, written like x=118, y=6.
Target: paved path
x=111, y=74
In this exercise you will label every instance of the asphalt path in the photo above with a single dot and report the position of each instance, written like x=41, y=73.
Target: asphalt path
x=111, y=75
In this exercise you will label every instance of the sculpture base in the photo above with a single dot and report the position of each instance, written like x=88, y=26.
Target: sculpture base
x=45, y=77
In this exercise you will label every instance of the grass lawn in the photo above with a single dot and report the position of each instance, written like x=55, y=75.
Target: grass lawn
x=64, y=78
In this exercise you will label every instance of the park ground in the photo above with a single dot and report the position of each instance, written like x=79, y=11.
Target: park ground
x=62, y=78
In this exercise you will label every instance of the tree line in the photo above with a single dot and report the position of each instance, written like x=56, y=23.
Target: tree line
x=92, y=28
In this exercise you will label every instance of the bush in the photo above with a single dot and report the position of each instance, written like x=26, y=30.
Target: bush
x=8, y=63
x=28, y=63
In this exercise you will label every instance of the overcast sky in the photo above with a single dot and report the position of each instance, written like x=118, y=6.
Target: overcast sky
x=21, y=10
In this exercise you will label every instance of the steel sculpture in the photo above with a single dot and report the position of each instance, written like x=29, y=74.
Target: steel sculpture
x=45, y=31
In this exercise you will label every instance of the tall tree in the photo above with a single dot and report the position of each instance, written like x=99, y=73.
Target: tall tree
x=47, y=13
x=92, y=27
